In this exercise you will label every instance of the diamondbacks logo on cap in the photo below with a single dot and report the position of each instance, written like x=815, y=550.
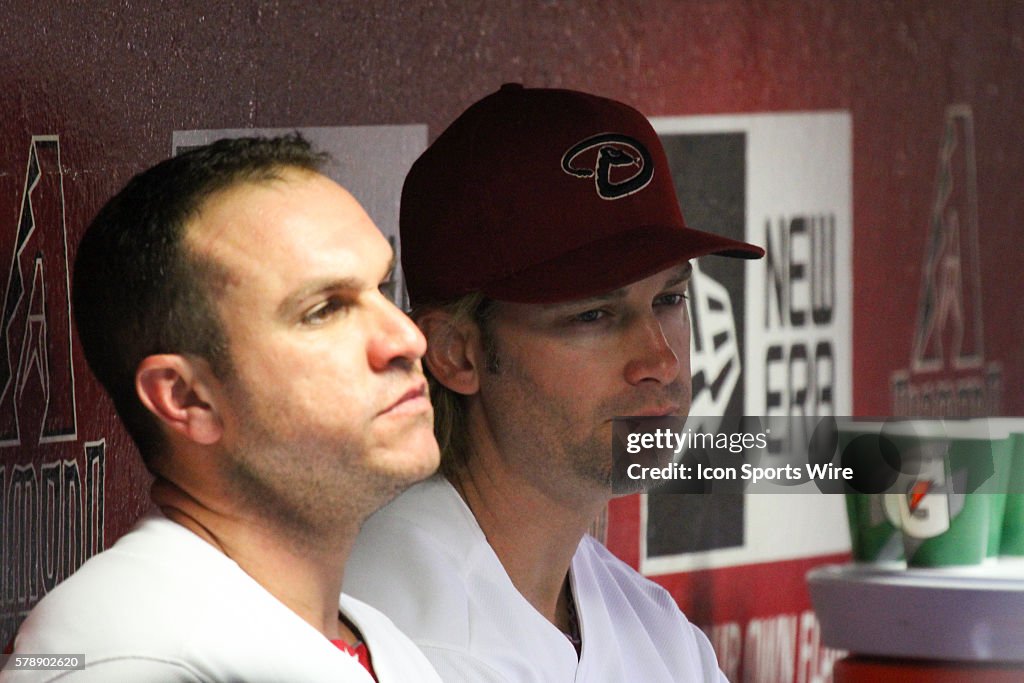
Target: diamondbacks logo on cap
x=609, y=165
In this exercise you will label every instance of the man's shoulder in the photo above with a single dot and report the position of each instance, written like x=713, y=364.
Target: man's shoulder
x=146, y=598
x=601, y=576
x=119, y=603
x=625, y=612
x=427, y=526
x=416, y=559
x=429, y=516
x=163, y=601
x=138, y=566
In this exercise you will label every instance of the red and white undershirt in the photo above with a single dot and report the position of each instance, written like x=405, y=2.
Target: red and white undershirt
x=359, y=651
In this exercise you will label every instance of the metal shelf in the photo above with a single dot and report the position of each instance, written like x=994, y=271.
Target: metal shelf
x=961, y=614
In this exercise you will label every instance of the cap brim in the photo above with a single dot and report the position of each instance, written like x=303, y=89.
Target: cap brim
x=609, y=264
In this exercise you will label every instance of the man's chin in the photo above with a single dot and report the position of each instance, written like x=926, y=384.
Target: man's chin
x=417, y=460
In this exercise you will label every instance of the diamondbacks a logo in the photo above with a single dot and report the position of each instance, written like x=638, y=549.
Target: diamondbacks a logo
x=37, y=381
x=619, y=164
x=947, y=375
x=949, y=330
x=51, y=488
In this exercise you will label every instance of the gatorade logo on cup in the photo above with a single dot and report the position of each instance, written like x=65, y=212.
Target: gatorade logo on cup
x=927, y=506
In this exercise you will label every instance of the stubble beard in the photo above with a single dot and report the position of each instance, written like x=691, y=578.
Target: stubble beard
x=550, y=442
x=309, y=488
x=550, y=437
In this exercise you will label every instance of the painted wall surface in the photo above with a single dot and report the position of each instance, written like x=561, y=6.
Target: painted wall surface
x=90, y=93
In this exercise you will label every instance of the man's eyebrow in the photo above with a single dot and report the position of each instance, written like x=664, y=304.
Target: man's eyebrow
x=318, y=286
x=607, y=296
x=323, y=285
x=684, y=274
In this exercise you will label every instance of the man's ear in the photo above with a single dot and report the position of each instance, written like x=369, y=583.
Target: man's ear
x=454, y=353
x=179, y=390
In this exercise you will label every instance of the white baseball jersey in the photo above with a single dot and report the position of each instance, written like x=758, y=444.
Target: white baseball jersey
x=424, y=561
x=164, y=605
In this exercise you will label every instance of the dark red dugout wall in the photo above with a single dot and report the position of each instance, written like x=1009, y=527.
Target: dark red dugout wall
x=90, y=93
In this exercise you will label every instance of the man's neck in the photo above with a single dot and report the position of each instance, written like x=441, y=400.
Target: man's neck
x=305, y=577
x=533, y=534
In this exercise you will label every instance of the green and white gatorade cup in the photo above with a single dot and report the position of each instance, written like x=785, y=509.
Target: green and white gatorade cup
x=874, y=527
x=944, y=516
x=873, y=515
x=1011, y=543
x=999, y=431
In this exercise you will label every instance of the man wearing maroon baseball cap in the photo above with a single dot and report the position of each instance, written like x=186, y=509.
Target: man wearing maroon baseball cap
x=547, y=262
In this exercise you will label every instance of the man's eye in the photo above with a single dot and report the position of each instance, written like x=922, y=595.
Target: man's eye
x=591, y=316
x=323, y=311
x=671, y=299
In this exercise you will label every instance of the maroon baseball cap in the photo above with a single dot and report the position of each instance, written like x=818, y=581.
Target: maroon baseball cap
x=538, y=195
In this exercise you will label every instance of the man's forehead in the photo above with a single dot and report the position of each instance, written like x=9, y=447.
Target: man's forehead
x=666, y=278
x=290, y=201
x=218, y=214
x=316, y=230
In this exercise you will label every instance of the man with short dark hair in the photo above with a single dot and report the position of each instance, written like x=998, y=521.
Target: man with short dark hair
x=233, y=302
x=547, y=262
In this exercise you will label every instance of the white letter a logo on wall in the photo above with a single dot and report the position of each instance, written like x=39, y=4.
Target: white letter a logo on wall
x=948, y=375
x=37, y=381
x=949, y=322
